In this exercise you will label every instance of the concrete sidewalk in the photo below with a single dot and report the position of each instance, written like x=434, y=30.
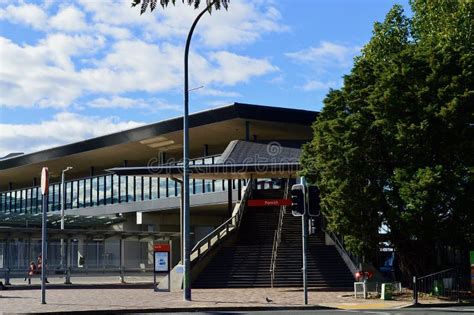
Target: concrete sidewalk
x=127, y=299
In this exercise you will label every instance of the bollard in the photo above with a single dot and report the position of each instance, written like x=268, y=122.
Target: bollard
x=7, y=277
x=68, y=276
x=415, y=291
x=122, y=276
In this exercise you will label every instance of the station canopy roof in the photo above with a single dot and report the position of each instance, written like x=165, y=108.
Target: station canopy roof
x=241, y=159
x=12, y=219
x=212, y=129
x=96, y=227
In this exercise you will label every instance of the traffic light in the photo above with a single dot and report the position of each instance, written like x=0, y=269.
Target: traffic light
x=297, y=200
x=314, y=207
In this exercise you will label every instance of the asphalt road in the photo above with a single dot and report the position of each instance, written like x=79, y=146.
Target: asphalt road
x=453, y=310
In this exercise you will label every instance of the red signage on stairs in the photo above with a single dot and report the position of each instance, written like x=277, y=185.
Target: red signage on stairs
x=268, y=202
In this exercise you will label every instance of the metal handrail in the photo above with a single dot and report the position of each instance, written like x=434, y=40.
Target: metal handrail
x=353, y=260
x=223, y=230
x=437, y=273
x=277, y=237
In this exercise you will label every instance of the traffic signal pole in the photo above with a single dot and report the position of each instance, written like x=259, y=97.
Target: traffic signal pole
x=300, y=208
x=304, y=227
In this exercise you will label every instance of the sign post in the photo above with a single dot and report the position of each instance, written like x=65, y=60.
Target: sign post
x=44, y=241
x=161, y=264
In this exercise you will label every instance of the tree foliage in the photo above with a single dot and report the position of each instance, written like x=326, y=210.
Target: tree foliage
x=217, y=4
x=394, y=146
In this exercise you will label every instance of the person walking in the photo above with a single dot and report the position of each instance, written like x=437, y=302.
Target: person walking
x=39, y=266
x=31, y=271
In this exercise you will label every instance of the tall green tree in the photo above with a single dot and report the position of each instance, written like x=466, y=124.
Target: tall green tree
x=393, y=147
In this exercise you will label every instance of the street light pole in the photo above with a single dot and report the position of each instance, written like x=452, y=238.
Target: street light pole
x=186, y=212
x=63, y=207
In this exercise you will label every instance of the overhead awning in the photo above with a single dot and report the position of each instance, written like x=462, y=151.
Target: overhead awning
x=240, y=160
x=93, y=234
x=214, y=171
x=12, y=219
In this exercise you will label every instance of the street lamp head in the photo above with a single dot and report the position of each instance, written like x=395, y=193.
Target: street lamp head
x=68, y=168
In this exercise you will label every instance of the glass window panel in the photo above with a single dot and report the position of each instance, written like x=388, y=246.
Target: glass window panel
x=80, y=194
x=115, y=188
x=74, y=203
x=131, y=188
x=171, y=191
x=93, y=191
x=123, y=188
x=162, y=187
x=87, y=189
x=68, y=195
x=50, y=198
x=29, y=204
x=208, y=185
x=208, y=160
x=105, y=189
x=57, y=198
x=146, y=188
x=15, y=201
x=26, y=197
x=138, y=188
x=178, y=188
x=198, y=186
x=40, y=201
x=218, y=185
x=154, y=187
x=34, y=200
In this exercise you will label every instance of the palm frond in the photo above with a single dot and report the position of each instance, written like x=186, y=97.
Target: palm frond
x=217, y=4
x=144, y=6
x=152, y=5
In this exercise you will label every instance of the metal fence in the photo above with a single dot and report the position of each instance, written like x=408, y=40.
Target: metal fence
x=449, y=283
x=85, y=256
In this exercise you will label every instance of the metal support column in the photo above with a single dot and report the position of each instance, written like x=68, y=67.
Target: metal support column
x=7, y=260
x=44, y=248
x=67, y=280
x=122, y=274
x=229, y=197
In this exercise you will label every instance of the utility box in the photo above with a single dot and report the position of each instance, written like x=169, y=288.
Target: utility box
x=387, y=290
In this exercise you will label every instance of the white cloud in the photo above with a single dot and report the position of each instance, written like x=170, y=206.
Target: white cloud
x=69, y=19
x=152, y=104
x=64, y=128
x=313, y=85
x=326, y=54
x=232, y=68
x=116, y=32
x=44, y=74
x=100, y=56
x=28, y=14
x=215, y=92
x=244, y=22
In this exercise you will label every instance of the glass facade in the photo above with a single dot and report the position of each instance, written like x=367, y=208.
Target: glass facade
x=105, y=190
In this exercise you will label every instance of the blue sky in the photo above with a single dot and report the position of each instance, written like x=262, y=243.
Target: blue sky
x=71, y=70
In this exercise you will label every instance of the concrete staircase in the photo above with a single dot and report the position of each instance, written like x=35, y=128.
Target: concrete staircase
x=246, y=263
x=326, y=269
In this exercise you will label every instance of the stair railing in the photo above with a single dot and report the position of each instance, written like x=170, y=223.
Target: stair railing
x=219, y=234
x=352, y=261
x=277, y=237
